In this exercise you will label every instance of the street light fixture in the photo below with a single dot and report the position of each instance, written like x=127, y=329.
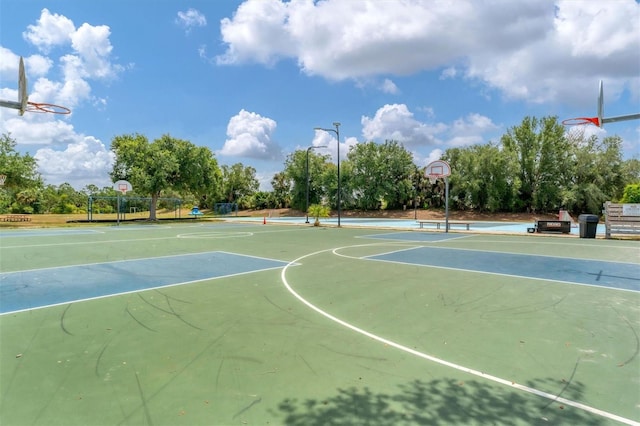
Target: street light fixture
x=307, y=176
x=337, y=132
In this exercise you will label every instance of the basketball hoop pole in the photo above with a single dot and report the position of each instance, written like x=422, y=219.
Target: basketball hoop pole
x=441, y=169
x=122, y=187
x=446, y=204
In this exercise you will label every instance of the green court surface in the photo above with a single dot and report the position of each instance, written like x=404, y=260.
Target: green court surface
x=236, y=324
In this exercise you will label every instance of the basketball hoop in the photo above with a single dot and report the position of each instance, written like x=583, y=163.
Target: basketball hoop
x=2, y=179
x=433, y=178
x=47, y=108
x=23, y=105
x=581, y=121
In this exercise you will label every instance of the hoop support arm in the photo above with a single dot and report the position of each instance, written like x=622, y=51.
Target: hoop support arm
x=621, y=118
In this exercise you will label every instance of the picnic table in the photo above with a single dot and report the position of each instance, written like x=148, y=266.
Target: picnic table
x=16, y=218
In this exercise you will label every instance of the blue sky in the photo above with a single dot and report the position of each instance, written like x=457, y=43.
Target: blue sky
x=251, y=79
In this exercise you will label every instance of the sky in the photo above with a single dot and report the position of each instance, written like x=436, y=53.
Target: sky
x=252, y=79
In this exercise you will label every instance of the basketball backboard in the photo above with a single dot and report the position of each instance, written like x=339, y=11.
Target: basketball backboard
x=122, y=186
x=23, y=96
x=438, y=169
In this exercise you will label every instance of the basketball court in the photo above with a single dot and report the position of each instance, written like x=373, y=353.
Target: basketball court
x=234, y=323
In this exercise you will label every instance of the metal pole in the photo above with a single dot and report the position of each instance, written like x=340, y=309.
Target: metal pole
x=446, y=203
x=307, y=179
x=339, y=181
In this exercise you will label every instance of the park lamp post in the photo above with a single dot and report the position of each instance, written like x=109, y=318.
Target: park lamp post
x=337, y=132
x=307, y=176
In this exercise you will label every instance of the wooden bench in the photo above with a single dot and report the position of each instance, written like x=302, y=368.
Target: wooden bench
x=16, y=218
x=621, y=219
x=563, y=226
x=440, y=222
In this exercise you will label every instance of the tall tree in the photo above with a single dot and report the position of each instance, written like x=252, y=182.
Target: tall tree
x=22, y=175
x=382, y=175
x=542, y=153
x=296, y=171
x=281, y=185
x=482, y=178
x=165, y=164
x=239, y=183
x=598, y=174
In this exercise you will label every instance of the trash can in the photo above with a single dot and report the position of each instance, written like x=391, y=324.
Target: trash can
x=588, y=225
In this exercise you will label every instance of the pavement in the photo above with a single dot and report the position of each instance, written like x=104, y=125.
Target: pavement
x=408, y=224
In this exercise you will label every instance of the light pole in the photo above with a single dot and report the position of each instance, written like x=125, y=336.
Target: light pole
x=337, y=132
x=307, y=176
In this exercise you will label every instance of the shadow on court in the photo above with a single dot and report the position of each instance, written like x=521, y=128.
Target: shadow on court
x=445, y=401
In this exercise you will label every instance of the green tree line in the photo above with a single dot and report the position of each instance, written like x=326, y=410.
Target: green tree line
x=535, y=167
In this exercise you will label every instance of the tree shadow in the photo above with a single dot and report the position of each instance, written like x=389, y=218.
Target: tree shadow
x=444, y=401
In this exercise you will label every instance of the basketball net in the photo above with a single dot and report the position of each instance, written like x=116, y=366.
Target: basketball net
x=433, y=178
x=2, y=179
x=123, y=189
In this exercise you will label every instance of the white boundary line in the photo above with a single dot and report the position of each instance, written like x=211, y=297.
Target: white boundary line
x=552, y=397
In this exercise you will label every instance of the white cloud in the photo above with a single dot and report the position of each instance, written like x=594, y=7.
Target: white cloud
x=36, y=129
x=329, y=141
x=258, y=32
x=94, y=49
x=396, y=122
x=390, y=87
x=470, y=130
x=89, y=59
x=190, y=19
x=50, y=31
x=84, y=161
x=536, y=50
x=250, y=135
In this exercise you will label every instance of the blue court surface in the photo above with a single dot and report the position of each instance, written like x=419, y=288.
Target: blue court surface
x=475, y=226
x=623, y=276
x=53, y=286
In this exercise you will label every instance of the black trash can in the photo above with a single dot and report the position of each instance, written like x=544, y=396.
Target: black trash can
x=588, y=225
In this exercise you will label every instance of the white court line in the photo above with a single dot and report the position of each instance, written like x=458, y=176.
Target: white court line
x=126, y=241
x=552, y=397
x=86, y=242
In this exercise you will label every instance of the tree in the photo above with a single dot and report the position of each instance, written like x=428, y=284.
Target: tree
x=597, y=174
x=382, y=175
x=281, y=190
x=296, y=172
x=239, y=183
x=631, y=194
x=482, y=178
x=22, y=178
x=543, y=154
x=317, y=211
x=166, y=164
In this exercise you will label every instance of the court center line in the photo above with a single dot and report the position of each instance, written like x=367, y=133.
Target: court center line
x=552, y=397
